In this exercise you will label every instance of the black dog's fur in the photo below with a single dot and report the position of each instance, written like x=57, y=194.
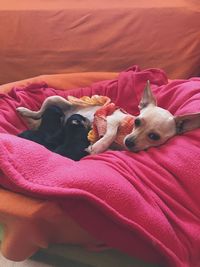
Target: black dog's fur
x=50, y=131
x=69, y=140
x=75, y=138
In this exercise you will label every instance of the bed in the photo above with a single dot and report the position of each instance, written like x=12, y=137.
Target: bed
x=92, y=46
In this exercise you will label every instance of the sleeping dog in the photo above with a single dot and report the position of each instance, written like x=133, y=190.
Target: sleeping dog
x=75, y=134
x=50, y=131
x=69, y=139
x=152, y=127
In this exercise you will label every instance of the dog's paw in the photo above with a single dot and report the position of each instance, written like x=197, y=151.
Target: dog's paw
x=22, y=111
x=25, y=112
x=94, y=149
x=89, y=150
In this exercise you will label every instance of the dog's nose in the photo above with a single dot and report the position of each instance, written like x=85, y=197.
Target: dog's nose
x=129, y=143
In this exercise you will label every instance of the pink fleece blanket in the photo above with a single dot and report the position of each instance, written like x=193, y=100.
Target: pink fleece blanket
x=146, y=204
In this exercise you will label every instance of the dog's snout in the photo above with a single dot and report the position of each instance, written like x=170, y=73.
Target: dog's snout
x=129, y=143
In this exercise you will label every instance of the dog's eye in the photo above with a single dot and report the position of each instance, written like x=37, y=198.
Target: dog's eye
x=137, y=122
x=154, y=136
x=75, y=122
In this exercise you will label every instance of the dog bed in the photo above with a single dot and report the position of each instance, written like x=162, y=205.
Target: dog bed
x=145, y=204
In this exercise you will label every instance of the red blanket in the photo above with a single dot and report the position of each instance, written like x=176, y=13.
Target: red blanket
x=146, y=203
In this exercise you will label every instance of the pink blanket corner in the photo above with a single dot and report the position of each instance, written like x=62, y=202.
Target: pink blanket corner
x=147, y=203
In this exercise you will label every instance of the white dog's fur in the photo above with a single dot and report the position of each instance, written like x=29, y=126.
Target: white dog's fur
x=153, y=127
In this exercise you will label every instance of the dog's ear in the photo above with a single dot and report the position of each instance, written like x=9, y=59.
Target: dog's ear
x=147, y=98
x=187, y=122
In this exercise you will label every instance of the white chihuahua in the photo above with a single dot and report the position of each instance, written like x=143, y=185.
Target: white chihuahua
x=153, y=127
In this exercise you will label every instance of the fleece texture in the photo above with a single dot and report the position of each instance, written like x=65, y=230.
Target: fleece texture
x=146, y=204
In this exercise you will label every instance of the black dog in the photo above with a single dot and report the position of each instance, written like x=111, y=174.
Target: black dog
x=69, y=140
x=75, y=142
x=50, y=131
